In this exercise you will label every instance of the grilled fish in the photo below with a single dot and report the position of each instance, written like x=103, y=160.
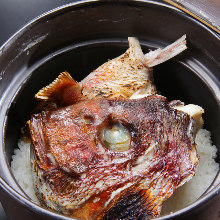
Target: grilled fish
x=109, y=147
x=129, y=74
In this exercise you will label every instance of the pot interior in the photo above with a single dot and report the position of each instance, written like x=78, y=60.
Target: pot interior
x=80, y=47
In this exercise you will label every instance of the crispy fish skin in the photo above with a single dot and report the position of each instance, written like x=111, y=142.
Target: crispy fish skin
x=76, y=174
x=120, y=77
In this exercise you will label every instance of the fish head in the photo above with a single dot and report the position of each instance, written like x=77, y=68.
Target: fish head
x=114, y=154
x=95, y=134
x=97, y=154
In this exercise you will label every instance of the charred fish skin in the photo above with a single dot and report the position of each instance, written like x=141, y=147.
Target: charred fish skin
x=99, y=180
x=130, y=206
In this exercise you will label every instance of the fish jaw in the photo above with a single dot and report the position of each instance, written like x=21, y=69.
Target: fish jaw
x=160, y=158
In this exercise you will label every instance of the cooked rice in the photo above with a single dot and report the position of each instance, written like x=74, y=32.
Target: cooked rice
x=21, y=168
x=203, y=178
x=183, y=196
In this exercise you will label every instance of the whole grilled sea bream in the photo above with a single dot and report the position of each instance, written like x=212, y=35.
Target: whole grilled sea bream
x=109, y=147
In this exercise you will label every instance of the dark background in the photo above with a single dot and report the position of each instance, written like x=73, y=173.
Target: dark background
x=14, y=14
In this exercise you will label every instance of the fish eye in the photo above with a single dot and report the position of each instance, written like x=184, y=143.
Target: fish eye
x=116, y=137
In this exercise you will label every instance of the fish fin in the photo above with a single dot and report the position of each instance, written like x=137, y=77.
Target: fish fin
x=158, y=56
x=48, y=92
x=64, y=90
x=135, y=48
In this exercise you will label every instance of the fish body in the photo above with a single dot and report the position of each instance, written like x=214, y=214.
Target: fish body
x=120, y=77
x=109, y=147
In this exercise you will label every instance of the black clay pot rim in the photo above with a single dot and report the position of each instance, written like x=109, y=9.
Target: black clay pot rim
x=82, y=2
x=25, y=201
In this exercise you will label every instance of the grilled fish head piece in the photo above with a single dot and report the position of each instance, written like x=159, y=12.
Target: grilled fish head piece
x=127, y=75
x=112, y=158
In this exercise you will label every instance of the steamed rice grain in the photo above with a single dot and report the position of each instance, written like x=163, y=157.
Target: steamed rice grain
x=21, y=168
x=203, y=178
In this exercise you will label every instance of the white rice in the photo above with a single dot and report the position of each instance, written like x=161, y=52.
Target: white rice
x=183, y=196
x=203, y=178
x=21, y=168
